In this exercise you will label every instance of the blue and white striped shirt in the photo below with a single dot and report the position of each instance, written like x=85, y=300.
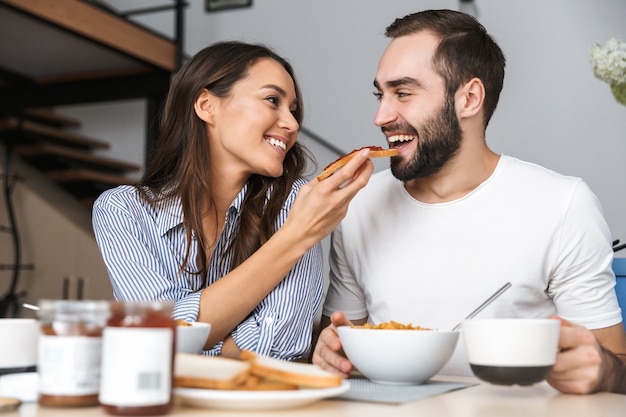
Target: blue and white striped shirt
x=143, y=249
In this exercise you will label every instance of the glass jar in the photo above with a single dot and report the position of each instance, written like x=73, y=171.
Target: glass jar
x=138, y=359
x=70, y=346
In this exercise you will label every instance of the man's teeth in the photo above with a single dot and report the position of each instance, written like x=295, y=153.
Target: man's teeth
x=275, y=142
x=400, y=138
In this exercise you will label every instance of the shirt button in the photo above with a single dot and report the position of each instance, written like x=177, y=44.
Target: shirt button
x=269, y=321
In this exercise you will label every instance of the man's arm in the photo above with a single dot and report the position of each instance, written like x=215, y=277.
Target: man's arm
x=613, y=373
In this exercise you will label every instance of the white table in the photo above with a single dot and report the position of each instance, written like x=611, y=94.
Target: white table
x=483, y=400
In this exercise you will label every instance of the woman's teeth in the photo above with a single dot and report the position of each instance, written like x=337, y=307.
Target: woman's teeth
x=275, y=142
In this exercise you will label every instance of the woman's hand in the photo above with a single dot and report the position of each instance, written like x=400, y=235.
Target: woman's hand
x=316, y=211
x=321, y=205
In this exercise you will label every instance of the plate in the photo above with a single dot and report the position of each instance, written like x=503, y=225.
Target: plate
x=256, y=400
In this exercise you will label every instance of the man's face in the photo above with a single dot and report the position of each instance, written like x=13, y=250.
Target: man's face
x=415, y=113
x=439, y=139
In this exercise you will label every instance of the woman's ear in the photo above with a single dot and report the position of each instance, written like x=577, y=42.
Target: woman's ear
x=204, y=106
x=472, y=96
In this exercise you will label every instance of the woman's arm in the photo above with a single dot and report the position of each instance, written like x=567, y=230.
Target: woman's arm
x=142, y=258
x=319, y=207
x=282, y=324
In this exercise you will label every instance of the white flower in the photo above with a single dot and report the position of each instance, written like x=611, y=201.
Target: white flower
x=609, y=65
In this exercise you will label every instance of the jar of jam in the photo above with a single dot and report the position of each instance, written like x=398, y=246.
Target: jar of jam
x=138, y=348
x=70, y=346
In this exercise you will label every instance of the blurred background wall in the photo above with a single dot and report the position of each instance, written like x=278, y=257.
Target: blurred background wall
x=553, y=111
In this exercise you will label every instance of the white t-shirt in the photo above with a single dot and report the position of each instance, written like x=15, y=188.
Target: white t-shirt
x=396, y=258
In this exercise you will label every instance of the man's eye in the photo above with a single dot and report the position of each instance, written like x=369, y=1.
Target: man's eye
x=379, y=96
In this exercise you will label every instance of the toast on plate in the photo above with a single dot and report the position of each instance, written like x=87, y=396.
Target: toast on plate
x=250, y=372
x=297, y=373
x=213, y=372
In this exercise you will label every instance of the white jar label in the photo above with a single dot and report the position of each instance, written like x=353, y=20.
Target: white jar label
x=69, y=365
x=136, y=366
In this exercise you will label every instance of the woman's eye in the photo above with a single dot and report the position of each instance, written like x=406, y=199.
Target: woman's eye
x=274, y=100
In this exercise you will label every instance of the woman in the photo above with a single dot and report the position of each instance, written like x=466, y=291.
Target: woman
x=222, y=221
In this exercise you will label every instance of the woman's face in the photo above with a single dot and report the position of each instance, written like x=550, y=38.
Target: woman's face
x=253, y=128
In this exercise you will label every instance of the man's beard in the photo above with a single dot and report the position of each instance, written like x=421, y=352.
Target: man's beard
x=438, y=141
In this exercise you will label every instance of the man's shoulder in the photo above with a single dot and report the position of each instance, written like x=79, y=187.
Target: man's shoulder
x=529, y=171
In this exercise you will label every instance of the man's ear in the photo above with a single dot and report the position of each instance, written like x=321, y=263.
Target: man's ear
x=472, y=97
x=204, y=106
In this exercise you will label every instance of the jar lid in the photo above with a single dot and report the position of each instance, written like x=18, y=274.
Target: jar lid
x=74, y=305
x=78, y=309
x=165, y=306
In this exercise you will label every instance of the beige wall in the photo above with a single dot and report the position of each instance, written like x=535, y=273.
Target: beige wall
x=56, y=237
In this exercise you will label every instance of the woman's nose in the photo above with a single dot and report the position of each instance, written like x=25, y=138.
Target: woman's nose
x=288, y=121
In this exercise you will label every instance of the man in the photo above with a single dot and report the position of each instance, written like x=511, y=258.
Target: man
x=464, y=220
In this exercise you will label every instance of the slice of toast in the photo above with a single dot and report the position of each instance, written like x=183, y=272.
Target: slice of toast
x=375, y=152
x=302, y=374
x=256, y=383
x=214, y=372
x=251, y=372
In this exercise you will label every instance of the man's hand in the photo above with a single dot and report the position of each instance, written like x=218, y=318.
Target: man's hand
x=583, y=366
x=578, y=365
x=328, y=353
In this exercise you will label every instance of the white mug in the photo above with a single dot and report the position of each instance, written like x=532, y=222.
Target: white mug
x=517, y=351
x=18, y=343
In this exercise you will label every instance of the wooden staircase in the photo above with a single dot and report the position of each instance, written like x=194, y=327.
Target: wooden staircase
x=67, y=52
x=45, y=140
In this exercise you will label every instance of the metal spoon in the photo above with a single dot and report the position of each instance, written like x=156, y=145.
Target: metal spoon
x=484, y=304
x=30, y=307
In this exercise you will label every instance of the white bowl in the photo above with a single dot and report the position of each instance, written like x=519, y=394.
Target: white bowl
x=191, y=339
x=401, y=357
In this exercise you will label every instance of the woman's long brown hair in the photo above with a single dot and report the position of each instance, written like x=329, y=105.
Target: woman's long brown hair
x=179, y=164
